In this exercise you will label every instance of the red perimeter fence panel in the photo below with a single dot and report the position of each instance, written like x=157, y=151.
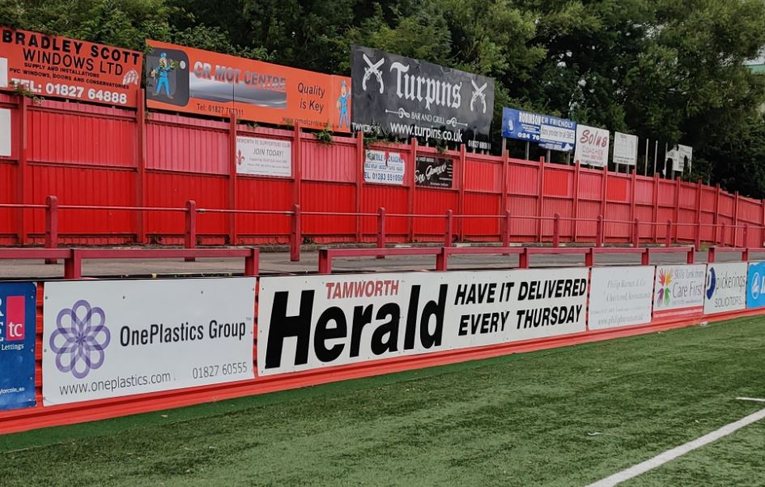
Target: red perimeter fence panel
x=123, y=177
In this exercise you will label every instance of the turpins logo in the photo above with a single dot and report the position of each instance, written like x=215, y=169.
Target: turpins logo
x=80, y=338
x=756, y=285
x=373, y=68
x=711, y=282
x=665, y=279
x=478, y=94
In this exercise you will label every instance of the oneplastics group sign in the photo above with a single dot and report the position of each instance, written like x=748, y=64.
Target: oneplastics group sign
x=312, y=322
x=412, y=98
x=57, y=66
x=184, y=79
x=104, y=339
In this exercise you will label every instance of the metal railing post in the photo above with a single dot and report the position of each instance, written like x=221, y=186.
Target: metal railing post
x=448, y=235
x=296, y=236
x=51, y=226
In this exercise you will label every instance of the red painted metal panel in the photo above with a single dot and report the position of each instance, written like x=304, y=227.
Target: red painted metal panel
x=335, y=162
x=618, y=188
x=522, y=178
x=264, y=194
x=591, y=184
x=394, y=200
x=85, y=186
x=186, y=148
x=644, y=191
x=482, y=228
x=482, y=175
x=433, y=202
x=323, y=197
x=519, y=207
x=558, y=182
x=173, y=190
x=8, y=225
x=75, y=137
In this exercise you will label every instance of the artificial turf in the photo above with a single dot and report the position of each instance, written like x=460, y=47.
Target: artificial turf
x=567, y=416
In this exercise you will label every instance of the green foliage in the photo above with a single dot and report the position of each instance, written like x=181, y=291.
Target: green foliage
x=661, y=69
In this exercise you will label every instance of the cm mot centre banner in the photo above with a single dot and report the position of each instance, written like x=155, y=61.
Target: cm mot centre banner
x=312, y=322
x=191, y=80
x=58, y=66
x=104, y=339
x=412, y=98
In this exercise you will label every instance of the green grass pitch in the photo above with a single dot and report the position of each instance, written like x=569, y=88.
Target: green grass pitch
x=561, y=417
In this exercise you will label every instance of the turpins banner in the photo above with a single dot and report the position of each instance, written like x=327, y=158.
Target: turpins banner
x=412, y=98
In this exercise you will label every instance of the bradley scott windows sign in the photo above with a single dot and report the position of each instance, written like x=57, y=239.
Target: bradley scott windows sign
x=407, y=97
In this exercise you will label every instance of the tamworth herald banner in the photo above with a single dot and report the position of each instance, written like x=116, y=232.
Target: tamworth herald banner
x=321, y=321
x=57, y=66
x=17, y=344
x=549, y=132
x=191, y=80
x=104, y=339
x=412, y=98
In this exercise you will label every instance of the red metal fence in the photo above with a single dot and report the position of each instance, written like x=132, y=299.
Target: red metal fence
x=123, y=177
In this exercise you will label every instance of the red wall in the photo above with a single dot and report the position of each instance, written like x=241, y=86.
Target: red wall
x=99, y=156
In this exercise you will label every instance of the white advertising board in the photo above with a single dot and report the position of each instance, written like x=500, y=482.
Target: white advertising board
x=5, y=132
x=384, y=167
x=309, y=322
x=625, y=149
x=104, y=339
x=725, y=287
x=591, y=146
x=263, y=157
x=3, y=72
x=679, y=290
x=681, y=156
x=620, y=296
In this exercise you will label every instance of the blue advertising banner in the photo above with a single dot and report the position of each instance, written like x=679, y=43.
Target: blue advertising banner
x=558, y=134
x=17, y=344
x=755, y=285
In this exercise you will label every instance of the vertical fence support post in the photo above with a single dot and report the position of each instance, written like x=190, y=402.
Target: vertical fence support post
x=723, y=231
x=599, y=232
x=745, y=243
x=668, y=234
x=697, y=239
x=190, y=238
x=636, y=233
x=449, y=229
x=381, y=230
x=296, y=235
x=251, y=263
x=556, y=230
x=523, y=258
x=645, y=256
x=691, y=258
x=506, y=230
x=73, y=265
x=589, y=257
x=711, y=255
x=51, y=226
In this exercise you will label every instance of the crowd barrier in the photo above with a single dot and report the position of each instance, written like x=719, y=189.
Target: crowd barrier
x=88, y=349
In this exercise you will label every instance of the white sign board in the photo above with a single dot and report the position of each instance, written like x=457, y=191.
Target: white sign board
x=263, y=157
x=5, y=132
x=3, y=72
x=104, y=339
x=591, y=146
x=625, y=149
x=620, y=296
x=679, y=290
x=725, y=287
x=566, y=137
x=681, y=156
x=384, y=167
x=310, y=322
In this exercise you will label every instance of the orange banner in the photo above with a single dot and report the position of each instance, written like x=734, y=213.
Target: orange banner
x=58, y=66
x=191, y=80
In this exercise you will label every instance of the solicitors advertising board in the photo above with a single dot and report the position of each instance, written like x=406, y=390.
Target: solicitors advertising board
x=411, y=98
x=725, y=287
x=679, y=291
x=17, y=344
x=311, y=322
x=57, y=66
x=104, y=339
x=558, y=134
x=185, y=79
x=620, y=296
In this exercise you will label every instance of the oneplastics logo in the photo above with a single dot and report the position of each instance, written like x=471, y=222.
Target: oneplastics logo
x=80, y=339
x=665, y=279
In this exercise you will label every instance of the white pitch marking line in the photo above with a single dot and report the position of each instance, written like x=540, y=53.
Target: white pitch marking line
x=681, y=450
x=755, y=399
